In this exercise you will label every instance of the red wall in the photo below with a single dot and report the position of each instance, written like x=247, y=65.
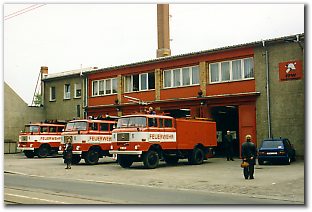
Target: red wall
x=231, y=87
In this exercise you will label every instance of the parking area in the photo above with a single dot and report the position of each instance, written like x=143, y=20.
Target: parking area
x=285, y=182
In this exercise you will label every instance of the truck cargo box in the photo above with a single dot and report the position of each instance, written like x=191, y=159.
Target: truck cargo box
x=192, y=132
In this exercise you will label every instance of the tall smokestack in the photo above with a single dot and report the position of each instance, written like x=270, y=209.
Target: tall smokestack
x=163, y=30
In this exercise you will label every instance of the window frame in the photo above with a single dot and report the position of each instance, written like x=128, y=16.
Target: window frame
x=75, y=93
x=103, y=83
x=67, y=94
x=147, y=83
x=51, y=89
x=242, y=70
x=181, y=79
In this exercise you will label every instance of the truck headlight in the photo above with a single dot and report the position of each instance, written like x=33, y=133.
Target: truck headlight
x=60, y=148
x=111, y=147
x=77, y=148
x=31, y=145
x=136, y=147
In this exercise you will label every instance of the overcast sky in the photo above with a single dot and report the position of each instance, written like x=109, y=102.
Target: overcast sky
x=70, y=36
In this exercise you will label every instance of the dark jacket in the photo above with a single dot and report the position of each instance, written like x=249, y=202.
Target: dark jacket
x=249, y=150
x=228, y=141
x=68, y=152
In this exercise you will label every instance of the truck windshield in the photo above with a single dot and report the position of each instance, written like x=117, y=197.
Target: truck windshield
x=31, y=128
x=131, y=122
x=75, y=126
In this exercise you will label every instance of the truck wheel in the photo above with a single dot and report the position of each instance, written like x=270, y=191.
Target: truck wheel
x=43, y=151
x=29, y=154
x=151, y=159
x=196, y=157
x=171, y=160
x=124, y=161
x=76, y=159
x=92, y=157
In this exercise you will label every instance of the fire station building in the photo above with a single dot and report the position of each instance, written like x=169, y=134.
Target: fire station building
x=255, y=88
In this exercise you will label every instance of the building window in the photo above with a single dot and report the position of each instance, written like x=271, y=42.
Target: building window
x=78, y=110
x=52, y=94
x=104, y=87
x=67, y=91
x=139, y=82
x=181, y=77
x=233, y=70
x=77, y=90
x=95, y=88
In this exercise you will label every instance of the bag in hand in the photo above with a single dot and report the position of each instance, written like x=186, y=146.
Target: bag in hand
x=244, y=164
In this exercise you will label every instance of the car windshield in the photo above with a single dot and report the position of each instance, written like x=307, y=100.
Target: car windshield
x=31, y=128
x=272, y=144
x=131, y=122
x=75, y=126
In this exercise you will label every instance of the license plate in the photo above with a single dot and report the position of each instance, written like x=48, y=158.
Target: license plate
x=271, y=153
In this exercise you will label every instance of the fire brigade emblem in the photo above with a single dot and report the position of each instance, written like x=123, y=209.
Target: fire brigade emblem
x=290, y=67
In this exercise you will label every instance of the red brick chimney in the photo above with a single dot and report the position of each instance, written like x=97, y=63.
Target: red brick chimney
x=163, y=30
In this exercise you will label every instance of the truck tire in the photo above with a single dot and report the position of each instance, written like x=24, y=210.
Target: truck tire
x=92, y=157
x=196, y=157
x=124, y=161
x=151, y=159
x=29, y=154
x=43, y=151
x=76, y=159
x=171, y=160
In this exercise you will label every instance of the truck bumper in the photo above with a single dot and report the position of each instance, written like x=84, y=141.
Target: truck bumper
x=125, y=152
x=25, y=148
x=74, y=152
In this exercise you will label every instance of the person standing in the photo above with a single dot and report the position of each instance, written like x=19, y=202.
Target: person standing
x=249, y=154
x=68, y=154
x=228, y=146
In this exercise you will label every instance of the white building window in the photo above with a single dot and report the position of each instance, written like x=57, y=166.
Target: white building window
x=181, y=77
x=77, y=90
x=52, y=94
x=139, y=82
x=67, y=91
x=233, y=70
x=104, y=87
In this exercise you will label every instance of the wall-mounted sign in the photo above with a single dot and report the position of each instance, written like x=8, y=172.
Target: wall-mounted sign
x=290, y=70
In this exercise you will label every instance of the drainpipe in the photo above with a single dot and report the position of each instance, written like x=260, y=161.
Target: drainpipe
x=86, y=97
x=267, y=88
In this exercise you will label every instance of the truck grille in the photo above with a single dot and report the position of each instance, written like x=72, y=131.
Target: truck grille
x=122, y=136
x=23, y=138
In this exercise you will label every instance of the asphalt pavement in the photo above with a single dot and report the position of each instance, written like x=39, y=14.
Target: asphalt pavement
x=275, y=182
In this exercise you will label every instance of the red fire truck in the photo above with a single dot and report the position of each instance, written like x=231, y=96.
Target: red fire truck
x=40, y=139
x=149, y=138
x=91, y=139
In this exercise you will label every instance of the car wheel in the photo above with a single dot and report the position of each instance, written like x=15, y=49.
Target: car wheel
x=288, y=160
x=260, y=162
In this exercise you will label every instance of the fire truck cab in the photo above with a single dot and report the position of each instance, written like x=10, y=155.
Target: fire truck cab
x=91, y=139
x=40, y=139
x=149, y=138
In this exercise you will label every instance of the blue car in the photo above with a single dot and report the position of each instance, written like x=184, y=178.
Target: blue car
x=278, y=150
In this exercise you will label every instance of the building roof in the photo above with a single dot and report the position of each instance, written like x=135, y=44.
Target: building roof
x=92, y=70
x=290, y=38
x=68, y=73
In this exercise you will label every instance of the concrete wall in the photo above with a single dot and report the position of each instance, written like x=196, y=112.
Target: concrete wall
x=16, y=114
x=287, y=97
x=63, y=109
